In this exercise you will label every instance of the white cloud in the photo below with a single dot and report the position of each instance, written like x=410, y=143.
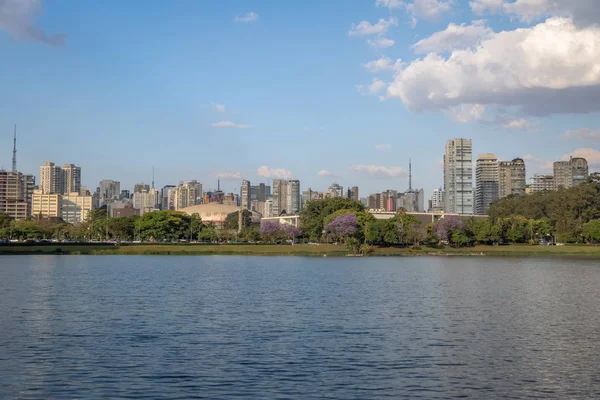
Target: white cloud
x=381, y=42
x=389, y=3
x=328, y=174
x=378, y=171
x=519, y=124
x=383, y=64
x=584, y=133
x=229, y=176
x=220, y=107
x=250, y=17
x=17, y=18
x=365, y=28
x=376, y=86
x=583, y=12
x=229, y=124
x=454, y=37
x=466, y=113
x=274, y=173
x=383, y=146
x=591, y=155
x=431, y=10
x=549, y=68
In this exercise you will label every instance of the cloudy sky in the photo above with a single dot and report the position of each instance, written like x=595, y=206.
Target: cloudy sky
x=322, y=91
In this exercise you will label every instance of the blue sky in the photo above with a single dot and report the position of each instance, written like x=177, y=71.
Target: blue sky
x=117, y=87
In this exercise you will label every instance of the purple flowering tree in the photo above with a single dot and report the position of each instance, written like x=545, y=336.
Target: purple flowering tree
x=343, y=227
x=270, y=230
x=444, y=227
x=291, y=232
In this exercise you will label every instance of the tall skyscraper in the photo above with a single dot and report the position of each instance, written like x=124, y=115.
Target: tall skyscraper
x=293, y=197
x=16, y=190
x=458, y=176
x=486, y=182
x=188, y=194
x=51, y=178
x=108, y=191
x=165, y=204
x=353, y=193
x=140, y=187
x=580, y=170
x=245, y=194
x=71, y=179
x=511, y=178
x=279, y=196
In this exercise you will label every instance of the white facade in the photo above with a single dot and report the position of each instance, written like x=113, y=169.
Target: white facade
x=71, y=179
x=458, y=176
x=51, y=178
x=437, y=199
x=109, y=191
x=145, y=201
x=187, y=195
x=245, y=194
x=75, y=208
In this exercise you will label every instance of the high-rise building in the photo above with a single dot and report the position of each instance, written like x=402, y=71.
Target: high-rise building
x=458, y=176
x=146, y=201
x=542, y=183
x=279, y=196
x=353, y=193
x=16, y=191
x=188, y=194
x=51, y=178
x=165, y=203
x=71, y=179
x=72, y=208
x=293, y=197
x=245, y=194
x=580, y=170
x=570, y=173
x=486, y=182
x=140, y=187
x=108, y=191
x=335, y=190
x=437, y=200
x=511, y=178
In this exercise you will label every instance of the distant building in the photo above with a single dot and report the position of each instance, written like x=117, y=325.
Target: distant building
x=353, y=193
x=125, y=194
x=108, y=191
x=145, y=201
x=511, y=178
x=335, y=190
x=458, y=176
x=71, y=180
x=51, y=178
x=293, y=197
x=16, y=191
x=45, y=205
x=437, y=200
x=188, y=194
x=75, y=208
x=570, y=173
x=167, y=201
x=286, y=197
x=542, y=183
x=268, y=209
x=245, y=194
x=486, y=181
x=140, y=187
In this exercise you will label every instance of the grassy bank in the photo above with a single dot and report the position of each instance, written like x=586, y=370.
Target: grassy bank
x=298, y=250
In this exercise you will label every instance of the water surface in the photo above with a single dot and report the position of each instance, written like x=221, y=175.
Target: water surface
x=298, y=328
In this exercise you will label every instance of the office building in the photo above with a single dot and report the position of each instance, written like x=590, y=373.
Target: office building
x=580, y=171
x=188, y=194
x=167, y=197
x=335, y=190
x=145, y=201
x=45, y=205
x=71, y=179
x=51, y=178
x=486, y=182
x=511, y=178
x=437, y=200
x=140, y=187
x=542, y=183
x=279, y=197
x=108, y=191
x=245, y=194
x=570, y=173
x=16, y=191
x=458, y=176
x=293, y=197
x=74, y=208
x=353, y=193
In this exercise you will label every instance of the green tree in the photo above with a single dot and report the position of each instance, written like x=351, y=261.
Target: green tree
x=5, y=221
x=312, y=217
x=231, y=221
x=591, y=231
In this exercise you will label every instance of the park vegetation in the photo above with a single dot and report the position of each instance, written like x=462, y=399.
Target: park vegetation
x=567, y=216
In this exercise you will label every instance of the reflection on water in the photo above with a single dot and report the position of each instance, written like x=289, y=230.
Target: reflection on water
x=254, y=327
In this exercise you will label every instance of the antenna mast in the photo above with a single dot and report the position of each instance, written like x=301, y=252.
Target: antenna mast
x=14, y=159
x=153, y=177
x=409, y=175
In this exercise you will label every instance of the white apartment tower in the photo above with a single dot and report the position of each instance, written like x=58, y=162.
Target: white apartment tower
x=245, y=194
x=458, y=176
x=51, y=178
x=486, y=182
x=71, y=179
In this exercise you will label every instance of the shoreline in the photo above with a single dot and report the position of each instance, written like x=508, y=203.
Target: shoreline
x=586, y=251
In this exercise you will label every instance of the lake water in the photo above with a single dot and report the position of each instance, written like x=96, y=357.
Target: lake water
x=298, y=328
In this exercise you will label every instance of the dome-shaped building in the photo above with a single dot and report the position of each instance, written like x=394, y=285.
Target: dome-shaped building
x=216, y=213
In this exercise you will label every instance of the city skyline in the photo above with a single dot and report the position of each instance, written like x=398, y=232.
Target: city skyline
x=247, y=105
